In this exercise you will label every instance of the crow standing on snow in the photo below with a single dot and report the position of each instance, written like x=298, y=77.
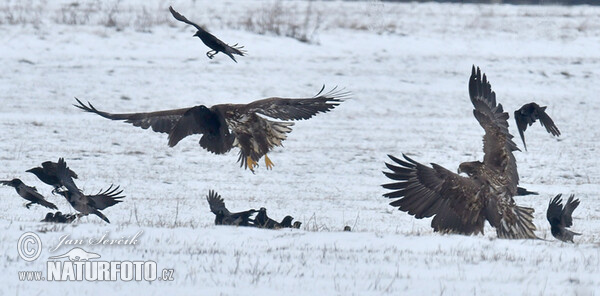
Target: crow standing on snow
x=210, y=40
x=86, y=204
x=263, y=221
x=29, y=193
x=560, y=218
x=223, y=216
x=286, y=222
x=59, y=217
x=530, y=113
x=47, y=174
x=226, y=126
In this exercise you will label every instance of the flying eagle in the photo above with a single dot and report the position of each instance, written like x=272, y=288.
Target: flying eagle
x=528, y=114
x=463, y=204
x=210, y=40
x=86, y=204
x=560, y=218
x=225, y=126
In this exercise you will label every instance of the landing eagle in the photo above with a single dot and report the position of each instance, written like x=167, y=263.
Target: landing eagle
x=225, y=126
x=463, y=204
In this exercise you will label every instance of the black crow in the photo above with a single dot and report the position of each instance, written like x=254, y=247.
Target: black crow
x=223, y=216
x=86, y=204
x=347, y=228
x=47, y=174
x=59, y=217
x=263, y=221
x=523, y=191
x=297, y=224
x=226, y=126
x=286, y=222
x=29, y=193
x=530, y=113
x=560, y=218
x=210, y=40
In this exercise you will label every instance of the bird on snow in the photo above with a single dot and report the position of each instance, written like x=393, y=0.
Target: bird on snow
x=29, y=193
x=86, y=204
x=263, y=221
x=223, y=216
x=297, y=224
x=286, y=222
x=210, y=40
x=47, y=174
x=528, y=114
x=225, y=126
x=463, y=204
x=59, y=217
x=560, y=218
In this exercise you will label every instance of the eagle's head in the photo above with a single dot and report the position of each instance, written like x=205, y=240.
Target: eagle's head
x=470, y=168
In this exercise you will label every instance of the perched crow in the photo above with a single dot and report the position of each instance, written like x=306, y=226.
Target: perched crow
x=59, y=217
x=47, y=174
x=530, y=113
x=286, y=222
x=560, y=218
x=297, y=224
x=210, y=40
x=226, y=126
x=347, y=228
x=86, y=204
x=263, y=221
x=29, y=193
x=223, y=216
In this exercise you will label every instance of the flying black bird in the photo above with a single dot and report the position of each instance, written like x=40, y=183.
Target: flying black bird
x=263, y=221
x=286, y=222
x=86, y=204
x=463, y=204
x=523, y=191
x=226, y=126
x=29, y=193
x=210, y=40
x=297, y=224
x=47, y=174
x=223, y=216
x=530, y=113
x=59, y=217
x=560, y=218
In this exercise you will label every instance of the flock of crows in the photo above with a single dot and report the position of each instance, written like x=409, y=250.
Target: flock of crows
x=458, y=204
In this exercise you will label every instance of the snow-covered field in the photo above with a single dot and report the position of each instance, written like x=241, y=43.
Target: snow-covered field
x=407, y=66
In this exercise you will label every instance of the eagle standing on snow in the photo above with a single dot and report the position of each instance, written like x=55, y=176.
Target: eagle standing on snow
x=463, y=204
x=225, y=126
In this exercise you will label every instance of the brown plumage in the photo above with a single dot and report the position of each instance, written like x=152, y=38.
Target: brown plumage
x=210, y=40
x=463, y=204
x=225, y=126
x=529, y=114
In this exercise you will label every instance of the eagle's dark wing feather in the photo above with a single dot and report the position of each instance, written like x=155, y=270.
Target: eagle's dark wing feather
x=160, y=121
x=426, y=191
x=530, y=113
x=299, y=108
x=182, y=18
x=498, y=145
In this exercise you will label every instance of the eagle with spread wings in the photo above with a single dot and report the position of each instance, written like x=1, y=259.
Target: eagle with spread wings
x=225, y=126
x=462, y=204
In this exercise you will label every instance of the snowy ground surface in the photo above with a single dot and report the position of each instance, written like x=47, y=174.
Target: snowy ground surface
x=407, y=66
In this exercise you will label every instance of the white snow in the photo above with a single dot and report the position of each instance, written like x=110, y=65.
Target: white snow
x=407, y=66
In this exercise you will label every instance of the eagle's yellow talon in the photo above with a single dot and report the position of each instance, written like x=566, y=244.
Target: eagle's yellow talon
x=268, y=163
x=251, y=163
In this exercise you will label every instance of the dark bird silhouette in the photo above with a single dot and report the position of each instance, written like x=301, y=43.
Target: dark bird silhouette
x=233, y=125
x=530, y=113
x=210, y=40
x=29, y=193
x=297, y=224
x=463, y=204
x=523, y=191
x=286, y=222
x=47, y=174
x=86, y=204
x=59, y=217
x=560, y=218
x=223, y=216
x=347, y=228
x=263, y=221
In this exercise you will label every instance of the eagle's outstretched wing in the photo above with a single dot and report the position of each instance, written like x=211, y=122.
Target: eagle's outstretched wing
x=298, y=108
x=178, y=16
x=425, y=191
x=498, y=145
x=160, y=121
x=530, y=113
